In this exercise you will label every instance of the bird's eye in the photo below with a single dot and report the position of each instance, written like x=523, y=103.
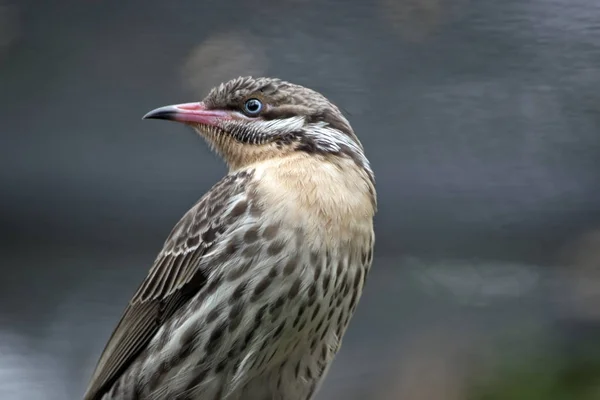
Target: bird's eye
x=252, y=106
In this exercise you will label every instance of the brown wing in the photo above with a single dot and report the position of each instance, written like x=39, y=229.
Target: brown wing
x=173, y=280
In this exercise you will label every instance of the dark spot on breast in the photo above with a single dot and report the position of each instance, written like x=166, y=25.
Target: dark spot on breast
x=235, y=316
x=187, y=341
x=260, y=314
x=316, y=311
x=234, y=350
x=249, y=336
x=340, y=319
x=238, y=292
x=326, y=279
x=294, y=289
x=214, y=314
x=239, y=209
x=312, y=293
x=323, y=334
x=221, y=366
x=357, y=278
x=340, y=269
x=279, y=329
x=347, y=319
x=270, y=231
x=232, y=246
x=317, y=270
x=274, y=272
x=308, y=372
x=257, y=321
x=199, y=377
x=275, y=248
x=215, y=337
x=276, y=306
x=251, y=235
x=330, y=314
x=261, y=287
x=291, y=264
x=319, y=325
x=331, y=300
x=301, y=311
x=264, y=345
x=214, y=284
x=255, y=209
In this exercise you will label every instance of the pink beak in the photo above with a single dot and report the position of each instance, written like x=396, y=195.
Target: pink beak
x=188, y=113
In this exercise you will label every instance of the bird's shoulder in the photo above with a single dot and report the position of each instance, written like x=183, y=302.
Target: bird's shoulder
x=226, y=204
x=176, y=275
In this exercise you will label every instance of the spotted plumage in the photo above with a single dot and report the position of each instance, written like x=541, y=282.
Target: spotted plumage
x=255, y=286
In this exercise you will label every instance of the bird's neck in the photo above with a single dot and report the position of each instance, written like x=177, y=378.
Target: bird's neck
x=332, y=195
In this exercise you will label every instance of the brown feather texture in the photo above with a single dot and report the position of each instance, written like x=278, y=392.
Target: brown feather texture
x=255, y=286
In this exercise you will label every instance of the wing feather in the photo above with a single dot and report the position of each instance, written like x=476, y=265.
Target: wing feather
x=173, y=280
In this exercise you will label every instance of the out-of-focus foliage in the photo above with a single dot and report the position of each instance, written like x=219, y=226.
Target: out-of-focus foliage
x=569, y=372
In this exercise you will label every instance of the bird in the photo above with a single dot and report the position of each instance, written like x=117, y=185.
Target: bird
x=255, y=286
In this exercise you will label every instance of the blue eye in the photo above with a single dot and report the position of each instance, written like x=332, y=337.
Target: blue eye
x=252, y=106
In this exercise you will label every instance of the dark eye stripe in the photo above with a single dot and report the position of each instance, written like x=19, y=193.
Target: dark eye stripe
x=278, y=113
x=332, y=119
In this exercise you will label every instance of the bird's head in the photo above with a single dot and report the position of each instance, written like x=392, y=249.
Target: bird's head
x=247, y=120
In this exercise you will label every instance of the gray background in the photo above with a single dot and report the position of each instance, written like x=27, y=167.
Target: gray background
x=481, y=120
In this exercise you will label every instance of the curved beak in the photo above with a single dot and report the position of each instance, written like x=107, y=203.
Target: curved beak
x=188, y=113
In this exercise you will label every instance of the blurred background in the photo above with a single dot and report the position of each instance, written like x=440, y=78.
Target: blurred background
x=482, y=122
